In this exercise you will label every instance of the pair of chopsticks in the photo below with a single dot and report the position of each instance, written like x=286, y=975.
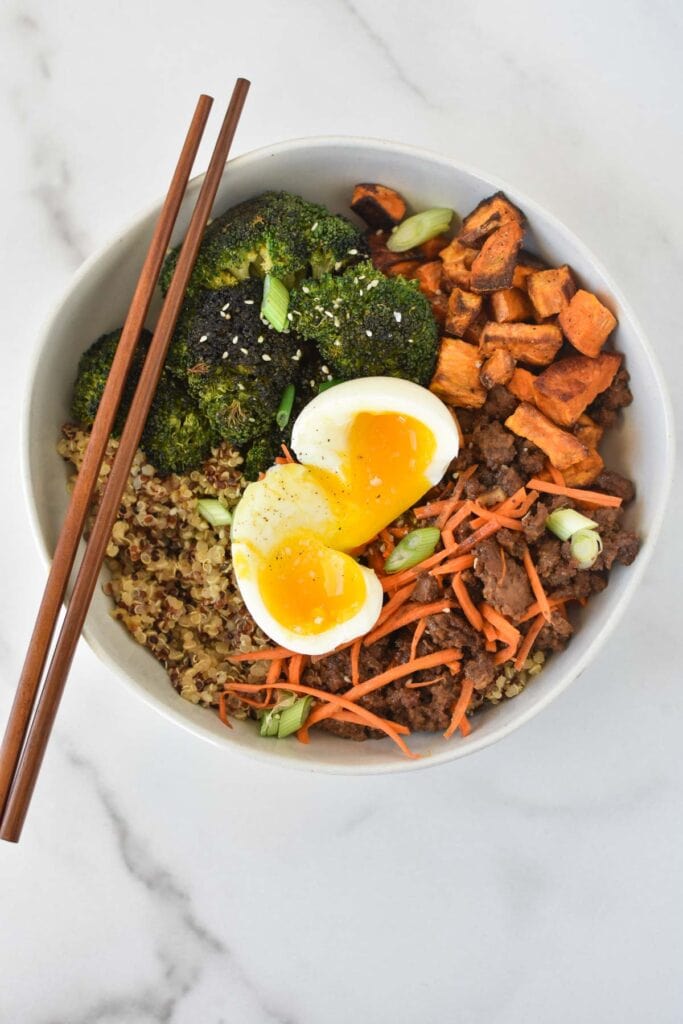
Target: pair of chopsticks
x=34, y=709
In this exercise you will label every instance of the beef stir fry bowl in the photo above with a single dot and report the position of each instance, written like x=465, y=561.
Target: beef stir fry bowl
x=325, y=170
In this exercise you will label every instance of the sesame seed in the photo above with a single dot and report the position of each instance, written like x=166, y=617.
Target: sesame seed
x=260, y=339
x=327, y=313
x=338, y=265
x=314, y=226
x=240, y=386
x=305, y=289
x=244, y=351
x=224, y=356
x=203, y=338
x=265, y=357
x=289, y=316
x=329, y=376
x=248, y=302
x=226, y=306
x=235, y=339
x=337, y=342
x=373, y=283
x=410, y=341
x=312, y=383
x=325, y=369
x=369, y=334
x=397, y=316
x=336, y=322
x=353, y=252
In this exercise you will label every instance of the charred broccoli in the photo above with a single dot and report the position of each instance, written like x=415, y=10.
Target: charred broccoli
x=93, y=370
x=177, y=435
x=277, y=233
x=366, y=324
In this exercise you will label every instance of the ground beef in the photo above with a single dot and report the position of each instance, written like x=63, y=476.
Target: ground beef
x=452, y=631
x=617, y=396
x=494, y=444
x=480, y=669
x=555, y=634
x=500, y=403
x=616, y=484
x=427, y=588
x=505, y=583
x=512, y=541
x=530, y=458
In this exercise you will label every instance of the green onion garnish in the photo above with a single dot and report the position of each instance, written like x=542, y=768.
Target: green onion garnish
x=292, y=718
x=565, y=522
x=214, y=512
x=586, y=546
x=413, y=549
x=419, y=228
x=285, y=407
x=275, y=303
x=270, y=723
x=328, y=384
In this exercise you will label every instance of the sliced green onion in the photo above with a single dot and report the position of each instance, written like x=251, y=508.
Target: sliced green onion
x=586, y=546
x=292, y=718
x=275, y=303
x=270, y=723
x=328, y=384
x=285, y=407
x=419, y=228
x=564, y=522
x=413, y=549
x=214, y=512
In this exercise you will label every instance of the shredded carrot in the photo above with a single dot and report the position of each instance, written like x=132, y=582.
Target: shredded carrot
x=536, y=585
x=265, y=703
x=506, y=631
x=503, y=562
x=555, y=474
x=405, y=617
x=355, y=660
x=508, y=507
x=469, y=609
x=222, y=713
x=578, y=494
x=505, y=654
x=485, y=515
x=287, y=454
x=372, y=720
x=263, y=654
x=461, y=706
x=529, y=641
x=456, y=497
x=432, y=508
x=459, y=517
x=296, y=664
x=392, y=582
x=399, y=532
x=395, y=602
x=417, y=636
x=425, y=682
x=354, y=719
x=457, y=565
x=476, y=538
x=388, y=542
x=464, y=727
x=533, y=609
x=375, y=560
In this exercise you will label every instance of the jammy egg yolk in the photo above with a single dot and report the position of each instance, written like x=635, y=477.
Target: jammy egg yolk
x=308, y=587
x=382, y=474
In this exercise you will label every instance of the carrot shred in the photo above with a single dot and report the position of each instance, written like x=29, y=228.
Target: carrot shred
x=404, y=618
x=287, y=454
x=578, y=494
x=457, y=565
x=509, y=506
x=392, y=582
x=388, y=542
x=425, y=682
x=555, y=474
x=477, y=537
x=485, y=515
x=505, y=654
x=469, y=609
x=354, y=719
x=533, y=609
x=529, y=641
x=505, y=630
x=355, y=660
x=460, y=709
x=372, y=720
x=263, y=654
x=503, y=562
x=456, y=497
x=395, y=602
x=536, y=585
x=459, y=517
x=417, y=636
x=296, y=664
x=375, y=560
x=464, y=726
x=222, y=713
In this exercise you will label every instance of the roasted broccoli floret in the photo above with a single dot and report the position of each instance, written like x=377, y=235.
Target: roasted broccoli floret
x=366, y=324
x=261, y=455
x=177, y=436
x=238, y=364
x=277, y=233
x=93, y=370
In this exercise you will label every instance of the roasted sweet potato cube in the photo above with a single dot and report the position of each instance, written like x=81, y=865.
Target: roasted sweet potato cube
x=565, y=389
x=433, y=246
x=439, y=304
x=586, y=323
x=378, y=205
x=429, y=276
x=585, y=472
x=521, y=384
x=475, y=330
x=536, y=344
x=561, y=447
x=457, y=260
x=588, y=431
x=491, y=213
x=510, y=305
x=494, y=267
x=463, y=308
x=405, y=268
x=550, y=290
x=456, y=378
x=498, y=369
x=382, y=257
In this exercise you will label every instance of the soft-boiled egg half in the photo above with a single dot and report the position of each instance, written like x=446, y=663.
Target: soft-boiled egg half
x=368, y=450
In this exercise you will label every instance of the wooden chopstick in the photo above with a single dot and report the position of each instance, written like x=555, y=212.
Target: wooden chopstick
x=74, y=521
x=39, y=731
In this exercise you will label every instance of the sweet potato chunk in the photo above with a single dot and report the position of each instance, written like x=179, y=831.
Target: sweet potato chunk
x=476, y=329
x=562, y=448
x=510, y=306
x=405, y=268
x=491, y=213
x=564, y=389
x=429, y=276
x=378, y=205
x=498, y=368
x=521, y=384
x=456, y=378
x=433, y=246
x=586, y=323
x=494, y=266
x=536, y=344
x=463, y=308
x=457, y=260
x=585, y=472
x=588, y=431
x=439, y=304
x=550, y=290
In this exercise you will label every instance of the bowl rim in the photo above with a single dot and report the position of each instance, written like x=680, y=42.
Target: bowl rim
x=449, y=752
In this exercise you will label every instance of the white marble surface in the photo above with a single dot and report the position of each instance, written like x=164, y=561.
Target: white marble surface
x=162, y=880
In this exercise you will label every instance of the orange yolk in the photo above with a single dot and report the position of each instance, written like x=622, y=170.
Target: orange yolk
x=308, y=587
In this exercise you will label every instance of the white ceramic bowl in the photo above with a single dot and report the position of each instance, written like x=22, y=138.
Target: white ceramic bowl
x=325, y=169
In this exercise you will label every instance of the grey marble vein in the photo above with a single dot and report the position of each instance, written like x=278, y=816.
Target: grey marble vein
x=179, y=974
x=389, y=57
